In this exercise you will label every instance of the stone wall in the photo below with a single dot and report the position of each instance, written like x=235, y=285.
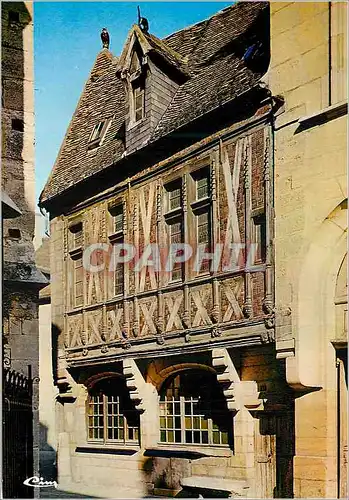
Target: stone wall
x=254, y=466
x=310, y=222
x=22, y=280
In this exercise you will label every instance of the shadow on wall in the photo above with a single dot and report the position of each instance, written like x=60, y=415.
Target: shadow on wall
x=55, y=332
x=48, y=464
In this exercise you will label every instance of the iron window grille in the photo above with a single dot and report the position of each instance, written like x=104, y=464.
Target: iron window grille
x=111, y=418
x=193, y=411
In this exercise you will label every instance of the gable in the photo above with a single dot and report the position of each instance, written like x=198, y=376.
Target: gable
x=207, y=70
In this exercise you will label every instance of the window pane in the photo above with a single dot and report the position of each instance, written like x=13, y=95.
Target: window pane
x=204, y=423
x=188, y=423
x=139, y=101
x=174, y=198
x=259, y=238
x=112, y=415
x=224, y=437
x=139, y=115
x=203, y=222
x=216, y=438
x=118, y=219
x=196, y=437
x=178, y=436
x=202, y=188
x=196, y=423
x=175, y=231
x=201, y=405
x=188, y=437
x=78, y=282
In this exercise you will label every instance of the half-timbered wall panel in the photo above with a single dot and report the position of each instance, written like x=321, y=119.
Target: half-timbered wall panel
x=216, y=199
x=95, y=233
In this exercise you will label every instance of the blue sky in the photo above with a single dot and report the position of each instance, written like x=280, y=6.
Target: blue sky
x=67, y=40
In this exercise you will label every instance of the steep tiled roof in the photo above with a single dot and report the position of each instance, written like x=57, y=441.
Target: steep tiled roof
x=211, y=52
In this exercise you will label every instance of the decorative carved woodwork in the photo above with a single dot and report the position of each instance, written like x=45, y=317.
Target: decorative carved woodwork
x=154, y=308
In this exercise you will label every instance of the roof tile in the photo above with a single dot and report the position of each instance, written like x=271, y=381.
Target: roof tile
x=217, y=75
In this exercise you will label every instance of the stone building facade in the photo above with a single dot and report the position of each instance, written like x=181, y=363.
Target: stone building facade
x=309, y=70
x=173, y=376
x=21, y=279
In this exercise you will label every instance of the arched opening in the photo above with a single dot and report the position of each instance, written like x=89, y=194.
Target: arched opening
x=111, y=415
x=193, y=410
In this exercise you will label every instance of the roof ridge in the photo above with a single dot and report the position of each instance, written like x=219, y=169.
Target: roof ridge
x=203, y=21
x=173, y=52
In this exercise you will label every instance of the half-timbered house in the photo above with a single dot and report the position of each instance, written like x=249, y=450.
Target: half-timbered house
x=166, y=367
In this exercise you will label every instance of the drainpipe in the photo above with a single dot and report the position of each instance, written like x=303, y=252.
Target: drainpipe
x=329, y=53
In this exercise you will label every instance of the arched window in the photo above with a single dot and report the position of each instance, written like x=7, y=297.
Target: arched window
x=111, y=416
x=193, y=410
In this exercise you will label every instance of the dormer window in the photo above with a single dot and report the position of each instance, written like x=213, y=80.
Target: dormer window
x=98, y=133
x=138, y=102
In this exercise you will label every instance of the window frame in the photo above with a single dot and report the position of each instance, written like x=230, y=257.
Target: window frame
x=116, y=272
x=200, y=205
x=135, y=89
x=78, y=258
x=259, y=220
x=98, y=133
x=75, y=253
x=181, y=402
x=116, y=237
x=174, y=215
x=105, y=441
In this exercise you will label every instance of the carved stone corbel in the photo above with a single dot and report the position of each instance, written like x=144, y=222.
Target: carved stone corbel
x=228, y=377
x=238, y=394
x=134, y=382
